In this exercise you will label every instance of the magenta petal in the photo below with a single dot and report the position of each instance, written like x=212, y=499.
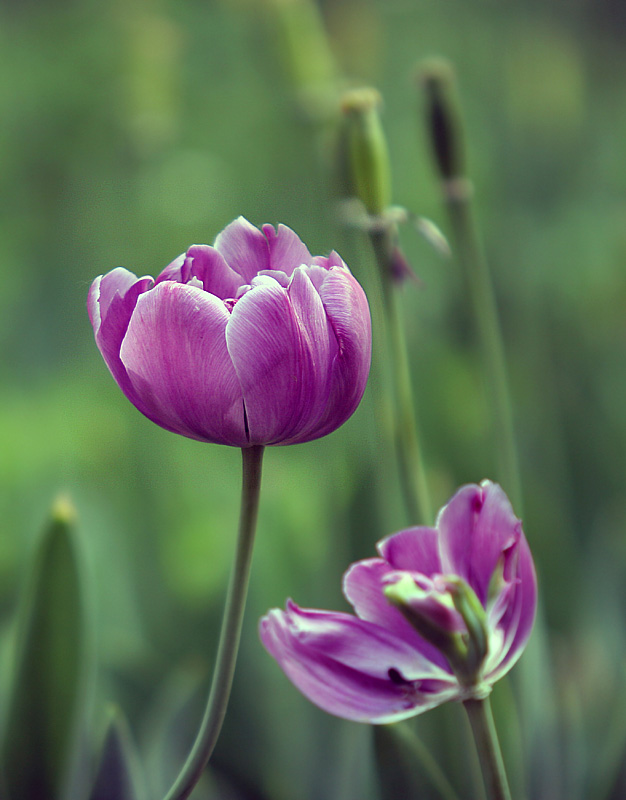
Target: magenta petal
x=415, y=550
x=319, y=349
x=210, y=267
x=363, y=586
x=344, y=665
x=177, y=270
x=287, y=251
x=177, y=362
x=264, y=342
x=111, y=302
x=476, y=527
x=517, y=622
x=245, y=248
x=348, y=312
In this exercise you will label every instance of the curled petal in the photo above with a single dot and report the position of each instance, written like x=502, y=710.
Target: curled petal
x=110, y=303
x=244, y=248
x=352, y=668
x=475, y=528
x=177, y=362
x=517, y=622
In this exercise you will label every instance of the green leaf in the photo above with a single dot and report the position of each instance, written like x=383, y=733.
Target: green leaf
x=116, y=778
x=47, y=682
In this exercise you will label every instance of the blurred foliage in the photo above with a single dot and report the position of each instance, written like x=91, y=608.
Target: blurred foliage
x=133, y=129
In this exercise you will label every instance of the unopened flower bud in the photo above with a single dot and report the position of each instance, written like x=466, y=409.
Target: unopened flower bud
x=368, y=156
x=443, y=120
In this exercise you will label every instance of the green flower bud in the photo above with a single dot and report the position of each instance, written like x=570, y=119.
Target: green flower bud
x=443, y=120
x=368, y=156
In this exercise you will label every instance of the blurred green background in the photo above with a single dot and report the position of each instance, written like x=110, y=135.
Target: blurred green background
x=133, y=129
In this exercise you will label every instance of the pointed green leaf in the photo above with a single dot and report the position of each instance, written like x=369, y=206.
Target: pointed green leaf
x=116, y=778
x=46, y=689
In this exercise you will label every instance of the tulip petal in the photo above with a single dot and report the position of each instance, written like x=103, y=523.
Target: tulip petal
x=348, y=312
x=209, y=266
x=244, y=247
x=176, y=358
x=111, y=302
x=476, y=527
x=319, y=349
x=414, y=549
x=517, y=622
x=363, y=587
x=352, y=668
x=178, y=270
x=287, y=251
x=265, y=343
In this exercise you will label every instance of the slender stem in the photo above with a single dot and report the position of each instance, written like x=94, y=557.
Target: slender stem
x=412, y=470
x=488, y=747
x=471, y=258
x=231, y=629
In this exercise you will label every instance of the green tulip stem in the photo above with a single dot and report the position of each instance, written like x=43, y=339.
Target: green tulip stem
x=405, y=430
x=231, y=629
x=478, y=279
x=488, y=747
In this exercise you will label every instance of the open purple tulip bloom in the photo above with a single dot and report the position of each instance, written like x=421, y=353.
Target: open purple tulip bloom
x=250, y=342
x=375, y=667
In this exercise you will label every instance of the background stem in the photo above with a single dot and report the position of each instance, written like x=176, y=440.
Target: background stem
x=478, y=279
x=405, y=429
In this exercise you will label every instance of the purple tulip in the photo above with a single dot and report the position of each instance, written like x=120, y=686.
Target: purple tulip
x=250, y=342
x=375, y=667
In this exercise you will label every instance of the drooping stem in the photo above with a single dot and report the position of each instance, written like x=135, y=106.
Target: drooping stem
x=405, y=429
x=231, y=629
x=488, y=747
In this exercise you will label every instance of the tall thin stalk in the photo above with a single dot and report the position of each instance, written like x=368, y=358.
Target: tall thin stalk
x=228, y=647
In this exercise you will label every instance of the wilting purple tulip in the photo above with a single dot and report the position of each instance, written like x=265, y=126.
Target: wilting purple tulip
x=375, y=667
x=250, y=342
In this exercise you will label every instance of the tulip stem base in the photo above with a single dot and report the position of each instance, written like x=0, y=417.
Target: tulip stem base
x=488, y=747
x=231, y=629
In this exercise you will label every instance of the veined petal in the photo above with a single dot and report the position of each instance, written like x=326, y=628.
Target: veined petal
x=319, y=349
x=177, y=362
x=287, y=251
x=210, y=267
x=348, y=312
x=244, y=247
x=476, y=527
x=264, y=342
x=352, y=668
x=363, y=587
